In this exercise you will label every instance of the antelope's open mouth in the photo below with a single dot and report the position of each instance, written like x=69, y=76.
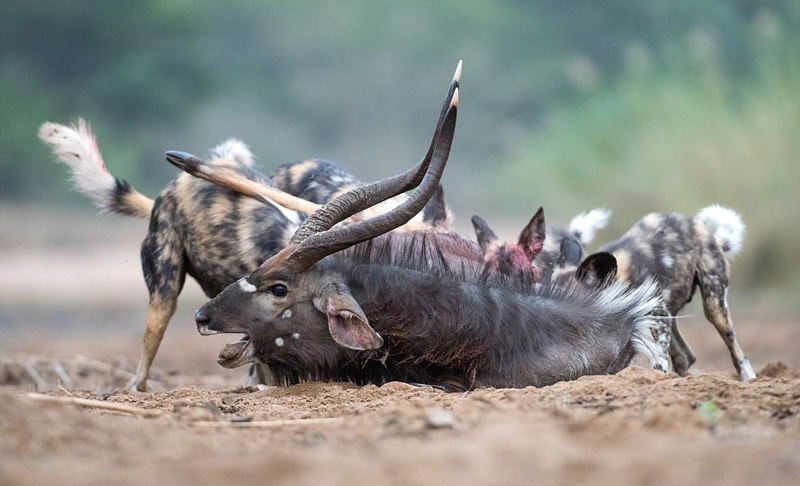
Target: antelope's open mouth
x=236, y=354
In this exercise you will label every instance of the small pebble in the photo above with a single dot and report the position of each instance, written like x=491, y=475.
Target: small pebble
x=440, y=419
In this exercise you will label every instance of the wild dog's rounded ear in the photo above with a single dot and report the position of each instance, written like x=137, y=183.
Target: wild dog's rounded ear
x=531, y=240
x=570, y=252
x=598, y=269
x=347, y=322
x=486, y=237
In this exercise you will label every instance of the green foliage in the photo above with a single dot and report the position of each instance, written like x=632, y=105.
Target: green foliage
x=678, y=135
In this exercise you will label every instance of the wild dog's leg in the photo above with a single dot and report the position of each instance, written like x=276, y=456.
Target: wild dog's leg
x=714, y=289
x=680, y=352
x=260, y=374
x=155, y=324
x=165, y=274
x=661, y=333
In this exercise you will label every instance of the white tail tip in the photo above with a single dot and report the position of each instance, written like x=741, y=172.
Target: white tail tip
x=585, y=225
x=726, y=225
x=233, y=149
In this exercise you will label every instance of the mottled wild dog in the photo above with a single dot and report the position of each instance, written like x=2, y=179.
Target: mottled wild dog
x=539, y=249
x=214, y=234
x=192, y=230
x=347, y=303
x=682, y=254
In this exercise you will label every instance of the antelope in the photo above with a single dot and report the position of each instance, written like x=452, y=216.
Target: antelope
x=354, y=302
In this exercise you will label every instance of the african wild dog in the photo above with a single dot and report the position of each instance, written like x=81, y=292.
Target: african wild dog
x=681, y=253
x=539, y=249
x=214, y=234
x=192, y=230
x=347, y=303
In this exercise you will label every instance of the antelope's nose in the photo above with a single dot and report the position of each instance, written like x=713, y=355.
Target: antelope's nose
x=202, y=319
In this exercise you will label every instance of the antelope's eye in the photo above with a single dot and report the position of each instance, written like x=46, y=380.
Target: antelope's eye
x=279, y=290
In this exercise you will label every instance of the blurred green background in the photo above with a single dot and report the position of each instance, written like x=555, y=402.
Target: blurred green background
x=637, y=106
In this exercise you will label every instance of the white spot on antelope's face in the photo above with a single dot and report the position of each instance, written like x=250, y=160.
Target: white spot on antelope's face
x=279, y=342
x=286, y=314
x=246, y=286
x=667, y=260
x=295, y=335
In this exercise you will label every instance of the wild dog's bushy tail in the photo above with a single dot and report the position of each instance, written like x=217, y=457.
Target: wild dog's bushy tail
x=726, y=225
x=586, y=224
x=76, y=147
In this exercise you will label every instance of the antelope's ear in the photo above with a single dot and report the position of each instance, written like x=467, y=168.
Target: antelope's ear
x=531, y=240
x=598, y=269
x=486, y=237
x=347, y=323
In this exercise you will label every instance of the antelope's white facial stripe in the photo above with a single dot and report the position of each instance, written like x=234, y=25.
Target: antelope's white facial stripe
x=286, y=314
x=246, y=286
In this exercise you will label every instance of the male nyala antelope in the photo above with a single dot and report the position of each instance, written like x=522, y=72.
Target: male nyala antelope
x=198, y=228
x=353, y=303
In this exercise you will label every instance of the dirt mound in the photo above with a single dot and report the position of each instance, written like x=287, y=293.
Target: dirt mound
x=204, y=426
x=637, y=427
x=779, y=369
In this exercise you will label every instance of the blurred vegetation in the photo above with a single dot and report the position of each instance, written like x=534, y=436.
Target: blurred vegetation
x=665, y=105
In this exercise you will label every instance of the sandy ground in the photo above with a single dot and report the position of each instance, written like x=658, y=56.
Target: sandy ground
x=202, y=425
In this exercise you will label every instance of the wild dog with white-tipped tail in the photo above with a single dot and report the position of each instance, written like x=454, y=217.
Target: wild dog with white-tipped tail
x=682, y=254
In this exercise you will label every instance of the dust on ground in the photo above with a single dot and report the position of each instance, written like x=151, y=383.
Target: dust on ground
x=205, y=427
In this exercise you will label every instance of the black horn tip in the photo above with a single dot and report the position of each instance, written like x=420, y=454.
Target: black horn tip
x=183, y=160
x=177, y=155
